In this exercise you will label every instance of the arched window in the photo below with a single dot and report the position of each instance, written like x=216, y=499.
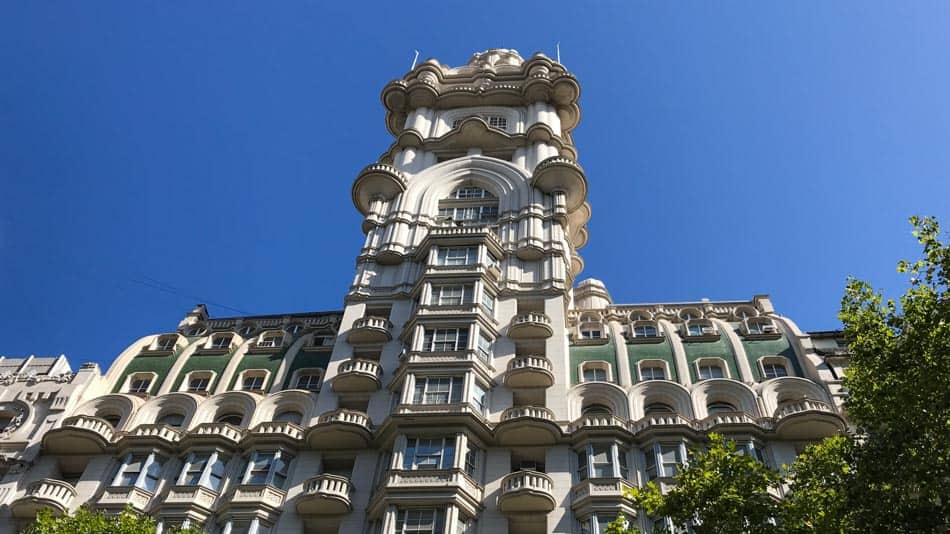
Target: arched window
x=596, y=409
x=111, y=418
x=230, y=418
x=289, y=416
x=657, y=408
x=171, y=419
x=720, y=407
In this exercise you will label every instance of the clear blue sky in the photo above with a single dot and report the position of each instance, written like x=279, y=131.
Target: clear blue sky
x=155, y=149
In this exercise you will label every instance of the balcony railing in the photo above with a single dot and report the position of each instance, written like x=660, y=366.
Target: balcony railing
x=340, y=429
x=370, y=329
x=535, y=412
x=253, y=495
x=119, y=496
x=730, y=418
x=223, y=431
x=191, y=495
x=92, y=424
x=593, y=421
x=160, y=433
x=358, y=375
x=804, y=405
x=352, y=417
x=280, y=431
x=45, y=493
x=398, y=479
x=527, y=491
x=325, y=494
x=529, y=371
x=530, y=325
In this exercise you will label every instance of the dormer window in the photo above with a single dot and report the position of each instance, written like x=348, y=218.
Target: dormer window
x=221, y=341
x=246, y=331
x=199, y=381
x=591, y=333
x=774, y=370
x=166, y=343
x=758, y=326
x=700, y=328
x=140, y=383
x=652, y=372
x=309, y=380
x=253, y=380
x=322, y=341
x=645, y=329
x=708, y=369
x=195, y=330
x=271, y=339
x=596, y=372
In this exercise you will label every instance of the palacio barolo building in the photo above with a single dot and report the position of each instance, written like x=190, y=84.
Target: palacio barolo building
x=471, y=384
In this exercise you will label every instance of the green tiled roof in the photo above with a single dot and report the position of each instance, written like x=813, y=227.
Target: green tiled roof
x=756, y=348
x=159, y=365
x=304, y=360
x=589, y=353
x=204, y=362
x=719, y=348
x=637, y=352
x=270, y=362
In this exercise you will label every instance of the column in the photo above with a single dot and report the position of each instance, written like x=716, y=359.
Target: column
x=623, y=361
x=679, y=353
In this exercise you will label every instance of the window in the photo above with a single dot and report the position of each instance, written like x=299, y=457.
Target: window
x=253, y=380
x=268, y=467
x=112, y=419
x=495, y=121
x=271, y=339
x=140, y=383
x=172, y=419
x=309, y=381
x=199, y=382
x=700, y=328
x=139, y=470
x=295, y=329
x=479, y=398
x=602, y=460
x=195, y=330
x=470, y=192
x=652, y=372
x=166, y=343
x=774, y=370
x=484, y=347
x=221, y=341
x=289, y=416
x=664, y=459
x=595, y=371
x=470, y=213
x=429, y=453
x=445, y=340
x=645, y=330
x=488, y=302
x=754, y=449
x=473, y=458
x=438, y=390
x=760, y=326
x=203, y=469
x=458, y=255
x=246, y=331
x=710, y=370
x=597, y=524
x=589, y=333
x=452, y=295
x=657, y=407
x=420, y=521
x=230, y=418
x=720, y=407
x=596, y=409
x=322, y=341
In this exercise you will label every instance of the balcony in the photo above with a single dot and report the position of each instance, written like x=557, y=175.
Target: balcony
x=355, y=376
x=340, y=429
x=529, y=372
x=807, y=419
x=47, y=493
x=117, y=497
x=533, y=325
x=560, y=174
x=376, y=181
x=599, y=425
x=191, y=497
x=660, y=421
x=79, y=434
x=221, y=434
x=733, y=419
x=526, y=491
x=325, y=495
x=589, y=494
x=447, y=484
x=150, y=435
x=527, y=425
x=274, y=433
x=370, y=330
x=257, y=496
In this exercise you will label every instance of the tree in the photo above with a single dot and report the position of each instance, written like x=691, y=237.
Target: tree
x=719, y=491
x=621, y=526
x=899, y=394
x=818, y=498
x=90, y=522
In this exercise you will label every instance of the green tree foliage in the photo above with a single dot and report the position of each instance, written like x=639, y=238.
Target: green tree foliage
x=819, y=480
x=87, y=521
x=719, y=491
x=621, y=525
x=899, y=394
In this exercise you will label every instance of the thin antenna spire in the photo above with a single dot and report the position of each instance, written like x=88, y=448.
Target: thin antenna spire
x=414, y=59
x=557, y=46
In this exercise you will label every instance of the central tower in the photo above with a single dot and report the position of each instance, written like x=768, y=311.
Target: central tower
x=473, y=219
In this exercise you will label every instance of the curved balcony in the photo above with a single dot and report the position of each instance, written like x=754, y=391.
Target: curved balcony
x=222, y=434
x=527, y=425
x=357, y=376
x=529, y=372
x=325, y=495
x=274, y=433
x=433, y=484
x=79, y=434
x=370, y=330
x=533, y=325
x=661, y=421
x=376, y=181
x=599, y=424
x=340, y=429
x=155, y=435
x=526, y=491
x=808, y=419
x=729, y=419
x=47, y=493
x=560, y=174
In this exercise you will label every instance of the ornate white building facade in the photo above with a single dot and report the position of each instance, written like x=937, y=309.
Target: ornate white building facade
x=469, y=385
